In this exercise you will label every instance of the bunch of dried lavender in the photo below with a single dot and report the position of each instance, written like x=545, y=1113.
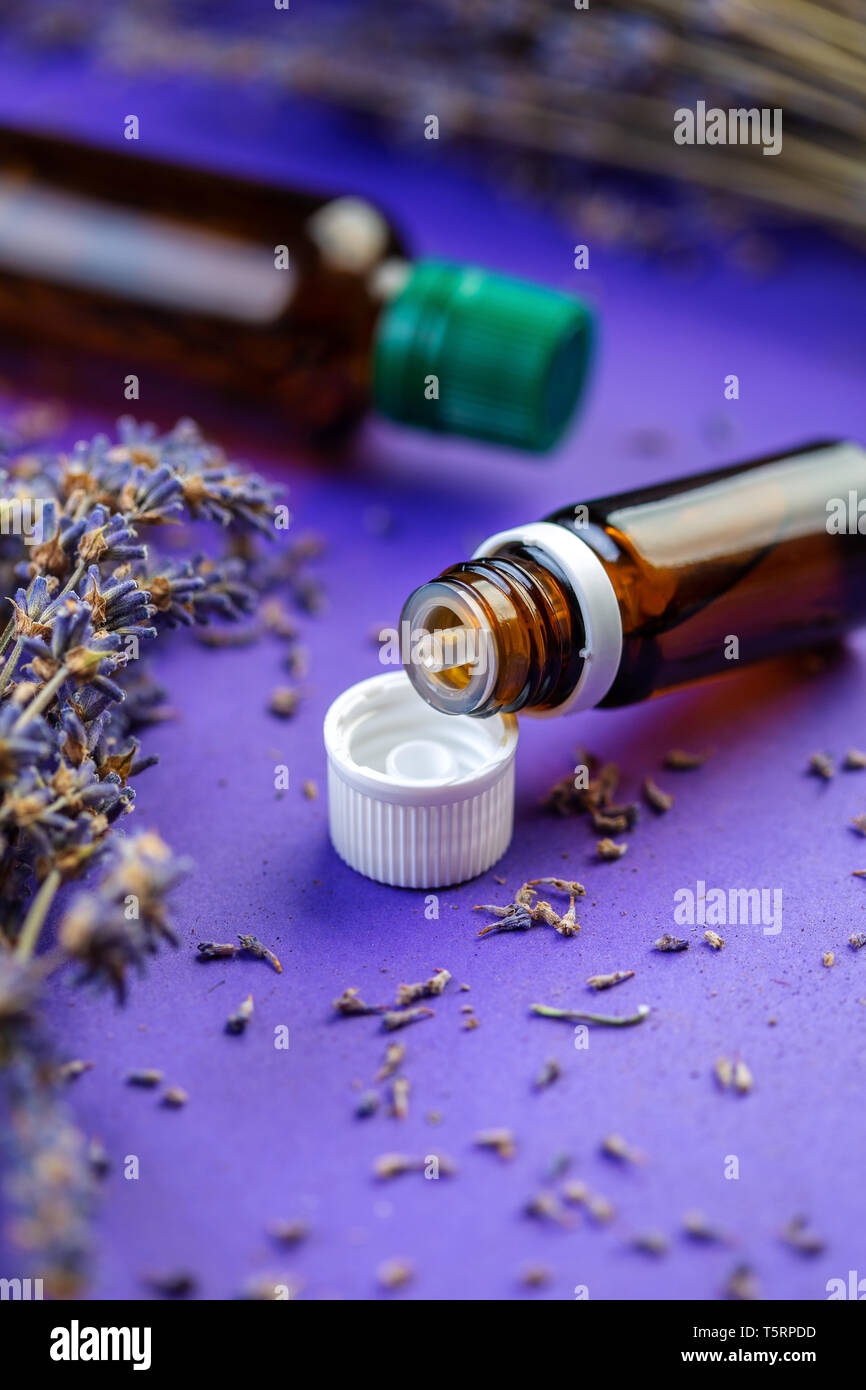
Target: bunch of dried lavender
x=82, y=596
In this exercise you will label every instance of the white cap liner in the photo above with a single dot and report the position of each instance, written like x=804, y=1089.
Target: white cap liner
x=416, y=798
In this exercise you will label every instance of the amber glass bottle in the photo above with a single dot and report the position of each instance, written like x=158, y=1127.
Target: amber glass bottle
x=616, y=600
x=269, y=293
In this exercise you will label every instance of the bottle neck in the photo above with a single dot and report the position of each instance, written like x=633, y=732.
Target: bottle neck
x=530, y=623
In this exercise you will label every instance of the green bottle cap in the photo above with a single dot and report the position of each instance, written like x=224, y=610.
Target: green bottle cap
x=465, y=351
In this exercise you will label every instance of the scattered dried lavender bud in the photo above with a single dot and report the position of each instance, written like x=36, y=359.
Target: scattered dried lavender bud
x=471, y=1023
x=579, y=1016
x=713, y=939
x=743, y=1080
x=859, y=873
x=501, y=1141
x=389, y=1166
x=394, y=1054
x=609, y=825
x=289, y=1232
x=828, y=959
x=659, y=800
x=395, y=1273
x=400, y=1098
x=550, y=1072
x=576, y=1192
x=855, y=761
x=821, y=765
x=545, y=1206
x=614, y=1146
x=515, y=917
x=97, y=1158
x=535, y=1277
x=367, y=1105
x=176, y=1096
x=393, y=1019
x=609, y=849
x=678, y=760
x=171, y=1283
x=742, y=1284
x=467, y=1009
x=143, y=1078
x=670, y=943
x=859, y=824
x=349, y=1005
x=524, y=895
x=857, y=941
x=650, y=1243
x=796, y=1234
x=600, y=1209
x=70, y=1071
x=255, y=948
x=566, y=925
x=264, y=1288
x=427, y=989
x=310, y=790
x=277, y=620
x=216, y=950
x=724, y=1073
x=284, y=702
x=697, y=1228
x=616, y=977
x=237, y=1022
x=570, y=886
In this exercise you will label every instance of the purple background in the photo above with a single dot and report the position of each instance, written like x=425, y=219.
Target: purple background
x=270, y=1134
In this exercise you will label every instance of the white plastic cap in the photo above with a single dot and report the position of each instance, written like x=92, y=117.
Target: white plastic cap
x=416, y=798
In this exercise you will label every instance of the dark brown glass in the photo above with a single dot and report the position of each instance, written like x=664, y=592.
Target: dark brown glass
x=742, y=552
x=312, y=357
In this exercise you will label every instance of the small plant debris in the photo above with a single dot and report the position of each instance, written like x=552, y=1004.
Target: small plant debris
x=254, y=947
x=237, y=1022
x=796, y=1233
x=289, y=1232
x=217, y=950
x=388, y=1166
x=400, y=1019
x=713, y=939
x=615, y=1147
x=678, y=760
x=310, y=790
x=400, y=1098
x=609, y=850
x=734, y=1075
x=351, y=1006
x=426, y=989
x=171, y=1283
x=859, y=824
x=394, y=1054
x=284, y=702
x=515, y=917
x=550, y=1072
x=580, y=1016
x=97, y=1158
x=545, y=1206
x=742, y=1285
x=367, y=1105
x=147, y=1077
x=176, y=1097
x=855, y=760
x=501, y=1141
x=697, y=1228
x=821, y=765
x=535, y=1277
x=70, y=1071
x=569, y=886
x=578, y=1194
x=670, y=943
x=857, y=941
x=395, y=1273
x=653, y=1243
x=616, y=977
x=659, y=800
x=828, y=959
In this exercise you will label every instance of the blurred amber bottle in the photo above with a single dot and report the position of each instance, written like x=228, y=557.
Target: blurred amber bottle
x=263, y=291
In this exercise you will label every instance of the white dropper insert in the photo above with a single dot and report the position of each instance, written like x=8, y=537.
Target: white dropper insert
x=417, y=798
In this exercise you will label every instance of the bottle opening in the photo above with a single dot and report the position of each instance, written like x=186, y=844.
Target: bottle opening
x=451, y=660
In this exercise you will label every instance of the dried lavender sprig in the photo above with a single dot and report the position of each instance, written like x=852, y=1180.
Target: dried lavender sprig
x=580, y=1016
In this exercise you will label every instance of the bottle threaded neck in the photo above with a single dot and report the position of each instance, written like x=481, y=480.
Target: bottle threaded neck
x=493, y=635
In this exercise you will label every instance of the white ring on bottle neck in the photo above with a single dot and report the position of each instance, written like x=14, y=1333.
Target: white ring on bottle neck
x=595, y=597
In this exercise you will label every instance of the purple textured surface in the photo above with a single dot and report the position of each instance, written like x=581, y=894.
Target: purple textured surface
x=270, y=1133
